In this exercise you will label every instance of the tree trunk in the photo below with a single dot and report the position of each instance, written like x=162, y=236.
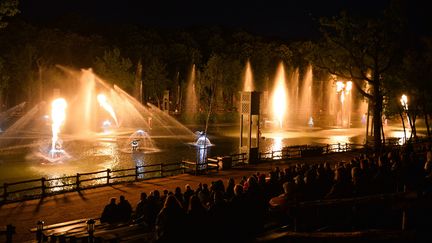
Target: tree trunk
x=377, y=121
x=403, y=125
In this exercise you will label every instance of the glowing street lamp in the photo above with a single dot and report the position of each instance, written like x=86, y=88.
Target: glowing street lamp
x=404, y=102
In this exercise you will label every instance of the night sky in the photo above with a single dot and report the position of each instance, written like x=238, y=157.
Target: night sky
x=285, y=19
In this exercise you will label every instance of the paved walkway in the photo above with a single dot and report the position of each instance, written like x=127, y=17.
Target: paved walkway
x=89, y=203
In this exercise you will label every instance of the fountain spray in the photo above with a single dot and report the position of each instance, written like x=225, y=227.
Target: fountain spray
x=280, y=96
x=104, y=103
x=58, y=116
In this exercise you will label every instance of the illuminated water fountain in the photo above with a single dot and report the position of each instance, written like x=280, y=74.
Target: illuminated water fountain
x=191, y=102
x=100, y=121
x=248, y=85
x=279, y=100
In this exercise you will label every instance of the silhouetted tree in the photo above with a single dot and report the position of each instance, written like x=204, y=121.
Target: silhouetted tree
x=8, y=8
x=115, y=69
x=361, y=50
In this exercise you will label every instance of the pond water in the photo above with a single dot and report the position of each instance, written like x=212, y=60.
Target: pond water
x=105, y=152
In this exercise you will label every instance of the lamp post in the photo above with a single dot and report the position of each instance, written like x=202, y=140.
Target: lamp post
x=91, y=229
x=404, y=103
x=39, y=229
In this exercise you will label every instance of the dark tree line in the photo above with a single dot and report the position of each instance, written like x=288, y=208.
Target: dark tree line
x=380, y=55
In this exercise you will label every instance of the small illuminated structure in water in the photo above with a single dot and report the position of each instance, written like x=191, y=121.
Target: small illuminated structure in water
x=202, y=145
x=106, y=125
x=311, y=122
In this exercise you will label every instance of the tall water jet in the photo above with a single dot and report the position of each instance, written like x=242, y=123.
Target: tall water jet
x=58, y=117
x=191, y=106
x=280, y=96
x=343, y=89
x=104, y=103
x=293, y=90
x=88, y=85
x=248, y=79
x=305, y=110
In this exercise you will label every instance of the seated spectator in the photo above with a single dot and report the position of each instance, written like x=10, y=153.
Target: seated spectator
x=179, y=195
x=141, y=208
x=170, y=221
x=197, y=220
x=280, y=202
x=187, y=194
x=341, y=188
x=110, y=213
x=124, y=210
x=219, y=215
x=155, y=205
x=229, y=193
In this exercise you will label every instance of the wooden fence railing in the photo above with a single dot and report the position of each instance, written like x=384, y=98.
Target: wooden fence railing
x=299, y=151
x=48, y=186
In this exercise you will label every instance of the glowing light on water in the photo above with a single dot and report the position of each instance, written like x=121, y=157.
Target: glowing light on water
x=342, y=139
x=104, y=103
x=280, y=96
x=277, y=143
x=58, y=116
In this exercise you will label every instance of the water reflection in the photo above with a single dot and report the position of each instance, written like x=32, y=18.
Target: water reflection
x=138, y=158
x=110, y=150
x=342, y=139
x=277, y=146
x=400, y=135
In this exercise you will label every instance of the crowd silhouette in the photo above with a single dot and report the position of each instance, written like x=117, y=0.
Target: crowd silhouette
x=237, y=212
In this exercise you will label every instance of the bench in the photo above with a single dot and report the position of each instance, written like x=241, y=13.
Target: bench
x=79, y=231
x=8, y=231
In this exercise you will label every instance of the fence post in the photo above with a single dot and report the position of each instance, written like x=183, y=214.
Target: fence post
x=78, y=182
x=10, y=230
x=43, y=187
x=39, y=232
x=339, y=147
x=327, y=149
x=346, y=147
x=5, y=192
x=136, y=172
x=108, y=176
